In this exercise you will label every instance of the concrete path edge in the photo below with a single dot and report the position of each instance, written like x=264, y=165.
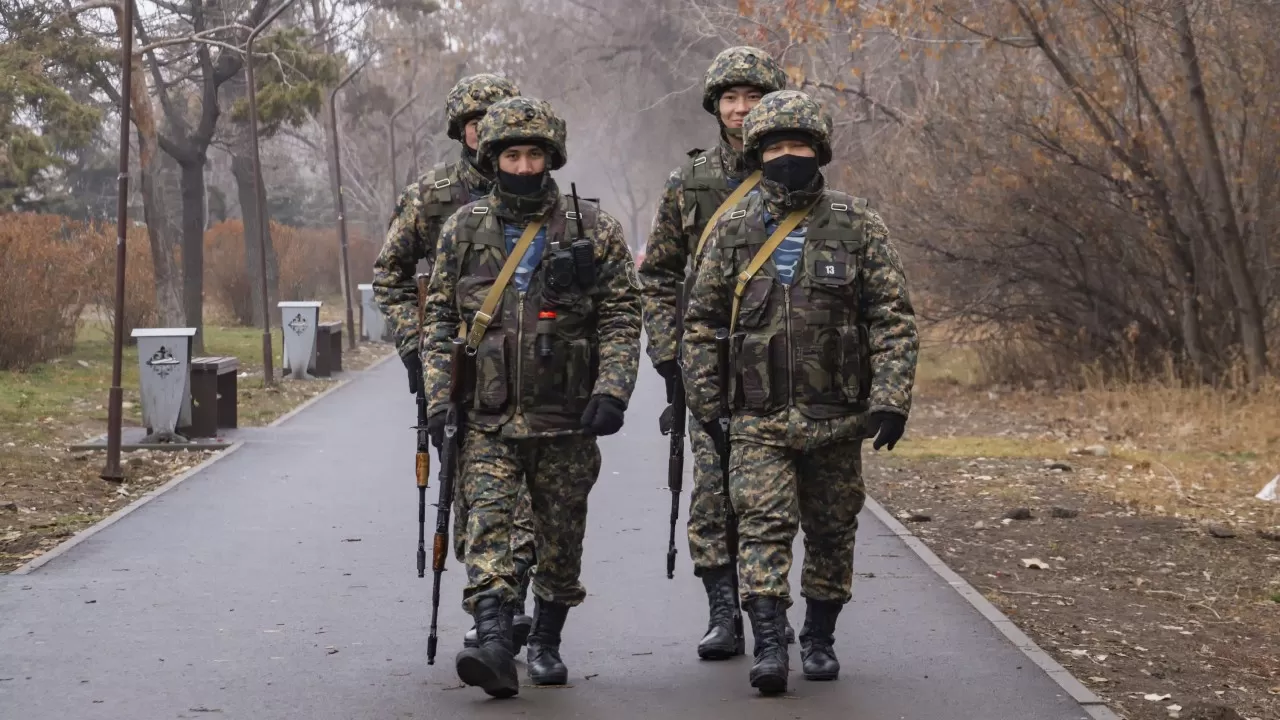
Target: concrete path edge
x=115, y=517
x=1091, y=703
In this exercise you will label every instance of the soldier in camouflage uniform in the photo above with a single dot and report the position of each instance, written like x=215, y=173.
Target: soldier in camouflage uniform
x=412, y=235
x=555, y=352
x=823, y=355
x=733, y=84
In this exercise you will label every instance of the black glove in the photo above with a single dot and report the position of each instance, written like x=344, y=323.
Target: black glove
x=718, y=437
x=603, y=415
x=669, y=370
x=413, y=364
x=890, y=425
x=435, y=428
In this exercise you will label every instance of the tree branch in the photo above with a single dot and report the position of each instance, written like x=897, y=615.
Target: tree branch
x=893, y=113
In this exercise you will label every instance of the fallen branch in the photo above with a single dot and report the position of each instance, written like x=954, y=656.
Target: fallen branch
x=1067, y=600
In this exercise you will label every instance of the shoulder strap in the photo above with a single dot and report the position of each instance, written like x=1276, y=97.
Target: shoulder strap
x=729, y=202
x=789, y=223
x=485, y=315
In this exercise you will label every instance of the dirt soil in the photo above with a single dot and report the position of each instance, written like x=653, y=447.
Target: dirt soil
x=1162, y=616
x=48, y=493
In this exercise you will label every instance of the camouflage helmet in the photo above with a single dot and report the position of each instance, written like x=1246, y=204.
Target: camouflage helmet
x=472, y=95
x=740, y=65
x=519, y=120
x=787, y=110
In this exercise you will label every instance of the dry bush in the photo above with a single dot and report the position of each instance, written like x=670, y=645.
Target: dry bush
x=139, y=279
x=42, y=287
x=308, y=260
x=225, y=278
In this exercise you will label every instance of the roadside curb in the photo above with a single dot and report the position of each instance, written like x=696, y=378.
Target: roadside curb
x=116, y=516
x=1089, y=702
x=62, y=548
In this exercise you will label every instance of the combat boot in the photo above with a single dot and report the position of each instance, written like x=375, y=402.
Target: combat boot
x=492, y=665
x=817, y=655
x=768, y=626
x=521, y=623
x=718, y=643
x=545, y=665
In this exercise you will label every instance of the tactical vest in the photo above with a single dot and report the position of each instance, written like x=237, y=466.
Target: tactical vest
x=548, y=379
x=442, y=192
x=805, y=345
x=705, y=187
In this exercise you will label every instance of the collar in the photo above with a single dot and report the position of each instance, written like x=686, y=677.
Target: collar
x=778, y=200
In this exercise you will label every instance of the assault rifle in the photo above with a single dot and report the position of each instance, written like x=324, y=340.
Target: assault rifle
x=672, y=422
x=730, y=517
x=423, y=461
x=448, y=471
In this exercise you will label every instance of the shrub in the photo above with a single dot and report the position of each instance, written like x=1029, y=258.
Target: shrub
x=43, y=274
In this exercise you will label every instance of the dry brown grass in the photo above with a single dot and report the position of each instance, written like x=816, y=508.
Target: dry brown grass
x=1193, y=451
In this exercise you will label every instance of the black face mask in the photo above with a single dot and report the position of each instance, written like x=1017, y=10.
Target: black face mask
x=520, y=184
x=793, y=172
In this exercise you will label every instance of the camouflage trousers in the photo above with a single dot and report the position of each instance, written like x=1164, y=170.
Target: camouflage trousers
x=707, y=547
x=774, y=490
x=558, y=473
x=522, y=546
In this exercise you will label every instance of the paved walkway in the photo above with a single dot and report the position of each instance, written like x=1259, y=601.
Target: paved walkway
x=279, y=582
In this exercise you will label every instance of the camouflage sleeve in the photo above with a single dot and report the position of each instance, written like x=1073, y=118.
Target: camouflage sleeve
x=394, y=290
x=891, y=322
x=710, y=303
x=440, y=319
x=664, y=266
x=617, y=297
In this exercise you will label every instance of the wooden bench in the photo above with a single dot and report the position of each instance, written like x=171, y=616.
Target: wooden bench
x=328, y=348
x=213, y=395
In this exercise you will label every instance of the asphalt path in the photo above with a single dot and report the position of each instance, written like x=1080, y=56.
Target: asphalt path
x=280, y=582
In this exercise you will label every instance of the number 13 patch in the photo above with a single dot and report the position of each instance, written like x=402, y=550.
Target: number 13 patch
x=830, y=270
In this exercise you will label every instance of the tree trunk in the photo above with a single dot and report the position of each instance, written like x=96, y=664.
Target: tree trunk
x=164, y=265
x=1192, y=330
x=242, y=169
x=1227, y=226
x=192, y=184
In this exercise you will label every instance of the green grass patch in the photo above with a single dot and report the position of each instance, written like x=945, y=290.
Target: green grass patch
x=962, y=446
x=74, y=387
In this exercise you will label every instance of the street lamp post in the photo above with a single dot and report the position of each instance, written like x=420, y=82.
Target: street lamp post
x=337, y=191
x=391, y=136
x=268, y=374
x=115, y=396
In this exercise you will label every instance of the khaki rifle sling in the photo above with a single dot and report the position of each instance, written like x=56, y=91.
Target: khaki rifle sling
x=485, y=315
x=789, y=223
x=729, y=202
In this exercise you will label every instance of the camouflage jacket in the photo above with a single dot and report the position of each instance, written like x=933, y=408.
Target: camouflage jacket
x=532, y=376
x=412, y=236
x=839, y=342
x=693, y=192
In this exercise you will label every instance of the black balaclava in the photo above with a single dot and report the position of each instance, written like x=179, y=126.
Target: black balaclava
x=793, y=172
x=523, y=194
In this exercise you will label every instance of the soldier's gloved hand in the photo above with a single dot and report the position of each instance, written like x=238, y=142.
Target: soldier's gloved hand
x=603, y=415
x=413, y=364
x=718, y=438
x=890, y=425
x=435, y=428
x=669, y=370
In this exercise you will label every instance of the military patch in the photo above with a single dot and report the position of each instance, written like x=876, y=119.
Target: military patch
x=830, y=270
x=632, y=278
